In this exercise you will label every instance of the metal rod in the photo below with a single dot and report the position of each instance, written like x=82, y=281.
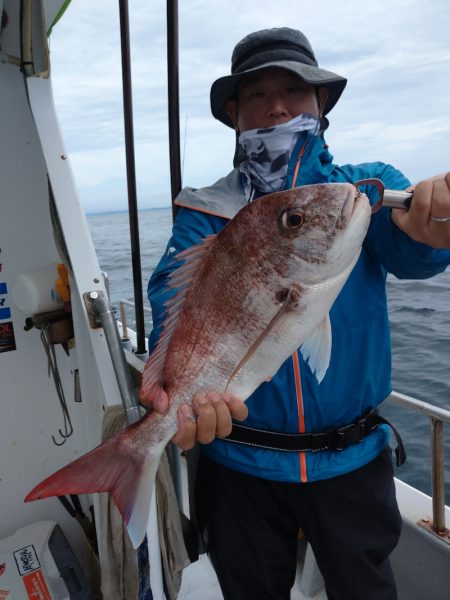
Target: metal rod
x=131, y=174
x=173, y=100
x=106, y=282
x=123, y=319
x=438, y=416
x=173, y=92
x=419, y=406
x=397, y=199
x=102, y=309
x=437, y=475
x=147, y=309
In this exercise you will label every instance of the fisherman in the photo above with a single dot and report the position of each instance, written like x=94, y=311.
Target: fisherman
x=253, y=495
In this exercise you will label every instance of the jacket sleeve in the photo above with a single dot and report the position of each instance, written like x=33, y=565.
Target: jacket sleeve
x=397, y=252
x=190, y=227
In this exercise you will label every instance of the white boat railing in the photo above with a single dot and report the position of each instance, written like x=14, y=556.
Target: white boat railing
x=123, y=314
x=437, y=417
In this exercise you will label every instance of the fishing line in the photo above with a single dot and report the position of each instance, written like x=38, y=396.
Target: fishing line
x=184, y=149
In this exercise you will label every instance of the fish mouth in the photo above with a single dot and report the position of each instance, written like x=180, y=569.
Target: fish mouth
x=349, y=207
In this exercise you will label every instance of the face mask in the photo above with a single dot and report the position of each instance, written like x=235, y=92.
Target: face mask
x=268, y=152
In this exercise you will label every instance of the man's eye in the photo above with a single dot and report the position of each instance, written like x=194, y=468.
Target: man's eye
x=256, y=94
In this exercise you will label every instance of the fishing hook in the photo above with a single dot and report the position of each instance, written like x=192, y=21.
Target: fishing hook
x=385, y=197
x=54, y=371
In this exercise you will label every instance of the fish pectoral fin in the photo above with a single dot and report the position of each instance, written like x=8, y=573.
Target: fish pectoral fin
x=287, y=297
x=316, y=349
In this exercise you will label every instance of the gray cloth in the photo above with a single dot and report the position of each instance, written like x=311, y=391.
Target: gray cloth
x=118, y=559
x=211, y=199
x=173, y=550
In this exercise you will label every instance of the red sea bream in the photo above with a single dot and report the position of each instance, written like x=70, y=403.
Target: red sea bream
x=245, y=300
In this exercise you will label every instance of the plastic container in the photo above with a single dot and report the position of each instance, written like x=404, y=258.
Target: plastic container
x=36, y=562
x=35, y=292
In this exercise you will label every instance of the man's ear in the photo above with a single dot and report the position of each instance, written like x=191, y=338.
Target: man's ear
x=231, y=108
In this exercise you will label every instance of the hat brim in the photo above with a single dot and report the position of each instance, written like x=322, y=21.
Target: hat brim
x=225, y=88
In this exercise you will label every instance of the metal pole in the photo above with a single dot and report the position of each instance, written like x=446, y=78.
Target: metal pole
x=173, y=100
x=173, y=93
x=131, y=175
x=437, y=475
x=102, y=310
x=123, y=319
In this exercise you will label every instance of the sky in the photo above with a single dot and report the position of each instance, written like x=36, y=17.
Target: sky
x=395, y=108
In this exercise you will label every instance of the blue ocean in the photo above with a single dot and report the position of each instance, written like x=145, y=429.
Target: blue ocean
x=420, y=321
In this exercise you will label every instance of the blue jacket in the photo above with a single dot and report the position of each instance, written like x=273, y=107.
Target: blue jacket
x=359, y=375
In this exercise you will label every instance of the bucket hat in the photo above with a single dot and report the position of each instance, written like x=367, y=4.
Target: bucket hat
x=278, y=47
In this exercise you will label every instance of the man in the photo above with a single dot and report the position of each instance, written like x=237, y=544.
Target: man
x=253, y=500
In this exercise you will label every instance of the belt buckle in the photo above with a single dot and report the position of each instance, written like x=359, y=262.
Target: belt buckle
x=362, y=428
x=340, y=436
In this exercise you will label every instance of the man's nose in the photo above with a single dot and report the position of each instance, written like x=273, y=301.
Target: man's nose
x=277, y=106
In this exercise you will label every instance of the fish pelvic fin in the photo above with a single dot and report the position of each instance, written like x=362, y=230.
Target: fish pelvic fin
x=316, y=349
x=179, y=282
x=117, y=466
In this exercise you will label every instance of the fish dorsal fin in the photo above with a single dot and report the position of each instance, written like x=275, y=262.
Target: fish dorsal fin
x=180, y=280
x=316, y=349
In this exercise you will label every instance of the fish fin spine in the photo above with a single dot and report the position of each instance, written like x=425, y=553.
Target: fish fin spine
x=179, y=280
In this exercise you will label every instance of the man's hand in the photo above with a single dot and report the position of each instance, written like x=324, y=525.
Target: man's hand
x=208, y=416
x=431, y=199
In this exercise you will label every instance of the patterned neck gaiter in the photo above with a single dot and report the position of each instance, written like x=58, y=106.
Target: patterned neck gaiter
x=268, y=152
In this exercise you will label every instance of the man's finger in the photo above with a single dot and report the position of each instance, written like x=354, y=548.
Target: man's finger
x=155, y=398
x=440, y=206
x=419, y=211
x=237, y=407
x=206, y=418
x=223, y=415
x=187, y=428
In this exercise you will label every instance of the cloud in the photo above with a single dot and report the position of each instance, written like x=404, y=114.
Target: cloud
x=396, y=57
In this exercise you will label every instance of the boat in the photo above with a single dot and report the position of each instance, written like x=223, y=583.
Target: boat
x=67, y=361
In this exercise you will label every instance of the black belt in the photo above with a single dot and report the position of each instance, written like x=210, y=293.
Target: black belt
x=337, y=438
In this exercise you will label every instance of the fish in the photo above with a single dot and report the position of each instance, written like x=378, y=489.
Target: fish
x=240, y=303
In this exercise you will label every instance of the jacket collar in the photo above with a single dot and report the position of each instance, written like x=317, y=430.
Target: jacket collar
x=226, y=197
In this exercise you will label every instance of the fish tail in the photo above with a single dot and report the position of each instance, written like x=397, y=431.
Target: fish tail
x=117, y=466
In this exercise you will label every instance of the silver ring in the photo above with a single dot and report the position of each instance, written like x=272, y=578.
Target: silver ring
x=440, y=219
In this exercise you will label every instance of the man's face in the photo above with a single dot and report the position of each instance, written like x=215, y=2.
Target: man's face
x=271, y=97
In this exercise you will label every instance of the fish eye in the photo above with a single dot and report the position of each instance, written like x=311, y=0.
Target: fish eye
x=291, y=219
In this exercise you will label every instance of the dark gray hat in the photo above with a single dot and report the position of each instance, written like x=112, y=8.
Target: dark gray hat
x=279, y=47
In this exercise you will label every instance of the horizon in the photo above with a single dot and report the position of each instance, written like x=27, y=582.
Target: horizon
x=125, y=210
